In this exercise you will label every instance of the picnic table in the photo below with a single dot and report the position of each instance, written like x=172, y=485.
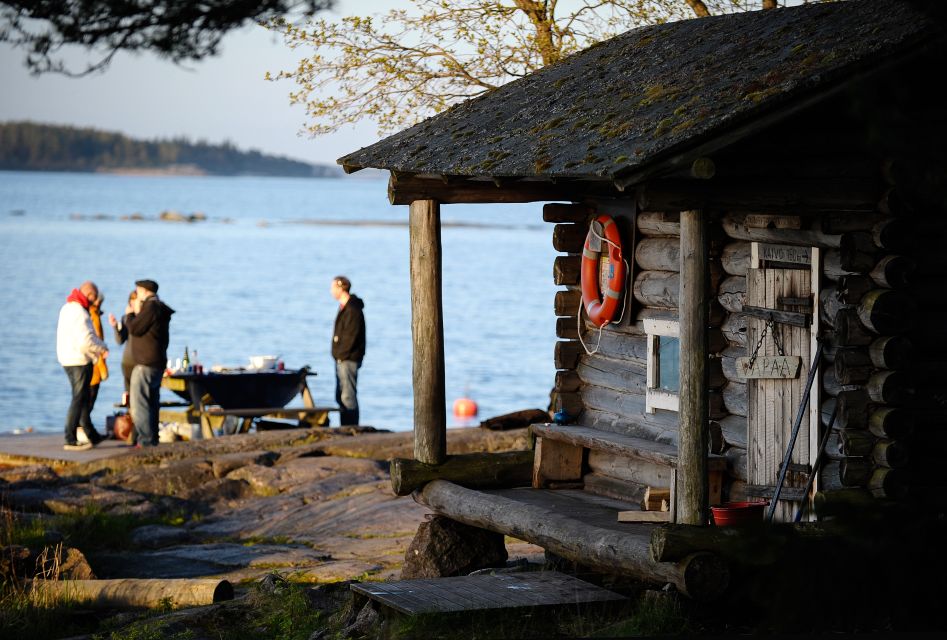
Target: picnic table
x=246, y=394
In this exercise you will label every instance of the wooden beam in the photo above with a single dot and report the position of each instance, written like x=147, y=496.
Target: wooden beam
x=477, y=470
x=427, y=333
x=692, y=484
x=406, y=188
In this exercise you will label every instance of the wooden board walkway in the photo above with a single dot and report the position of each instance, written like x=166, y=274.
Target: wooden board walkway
x=43, y=448
x=483, y=592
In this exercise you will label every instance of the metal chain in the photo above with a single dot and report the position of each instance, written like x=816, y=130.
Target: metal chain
x=769, y=326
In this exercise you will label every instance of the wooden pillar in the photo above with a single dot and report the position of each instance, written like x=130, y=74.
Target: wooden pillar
x=692, y=489
x=427, y=333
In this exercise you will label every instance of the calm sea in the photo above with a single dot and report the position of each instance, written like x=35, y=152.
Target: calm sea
x=253, y=279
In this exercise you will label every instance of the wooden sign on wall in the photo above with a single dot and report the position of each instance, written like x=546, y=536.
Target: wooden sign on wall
x=785, y=253
x=769, y=367
x=770, y=221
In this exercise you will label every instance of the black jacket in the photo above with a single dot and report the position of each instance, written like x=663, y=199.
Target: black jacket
x=348, y=340
x=149, y=329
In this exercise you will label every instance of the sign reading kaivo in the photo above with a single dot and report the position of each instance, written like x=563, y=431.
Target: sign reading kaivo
x=769, y=367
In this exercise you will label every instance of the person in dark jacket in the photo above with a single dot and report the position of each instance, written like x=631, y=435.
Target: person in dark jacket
x=348, y=348
x=148, y=325
x=122, y=336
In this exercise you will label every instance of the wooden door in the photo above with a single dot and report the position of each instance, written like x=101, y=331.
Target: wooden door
x=773, y=402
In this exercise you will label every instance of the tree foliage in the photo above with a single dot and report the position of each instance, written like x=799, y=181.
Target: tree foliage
x=401, y=67
x=180, y=31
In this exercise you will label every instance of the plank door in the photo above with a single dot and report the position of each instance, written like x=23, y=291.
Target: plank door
x=772, y=403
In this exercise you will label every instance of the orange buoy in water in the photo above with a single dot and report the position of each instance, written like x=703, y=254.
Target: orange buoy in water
x=465, y=408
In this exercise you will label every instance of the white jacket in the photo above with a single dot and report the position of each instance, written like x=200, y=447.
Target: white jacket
x=76, y=342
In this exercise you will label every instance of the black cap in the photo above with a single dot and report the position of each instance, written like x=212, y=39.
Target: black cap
x=150, y=285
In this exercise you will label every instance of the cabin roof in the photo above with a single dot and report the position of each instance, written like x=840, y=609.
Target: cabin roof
x=652, y=93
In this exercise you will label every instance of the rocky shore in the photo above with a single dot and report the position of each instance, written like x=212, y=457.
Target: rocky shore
x=312, y=506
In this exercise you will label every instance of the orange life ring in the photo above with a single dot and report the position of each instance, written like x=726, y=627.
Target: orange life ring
x=602, y=308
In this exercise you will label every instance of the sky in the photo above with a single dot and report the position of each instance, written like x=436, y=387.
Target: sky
x=217, y=99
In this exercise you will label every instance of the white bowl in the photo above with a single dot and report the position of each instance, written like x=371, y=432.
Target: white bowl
x=262, y=362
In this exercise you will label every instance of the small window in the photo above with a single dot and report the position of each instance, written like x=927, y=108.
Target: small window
x=664, y=374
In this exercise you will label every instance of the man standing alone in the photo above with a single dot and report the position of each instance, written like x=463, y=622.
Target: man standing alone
x=77, y=347
x=148, y=322
x=348, y=348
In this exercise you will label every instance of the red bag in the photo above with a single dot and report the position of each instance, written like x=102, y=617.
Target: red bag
x=123, y=427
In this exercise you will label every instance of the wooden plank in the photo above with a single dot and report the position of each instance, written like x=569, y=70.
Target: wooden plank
x=556, y=461
x=766, y=221
x=644, y=516
x=785, y=253
x=627, y=446
x=769, y=312
x=769, y=367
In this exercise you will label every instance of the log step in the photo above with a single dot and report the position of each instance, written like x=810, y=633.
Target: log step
x=628, y=446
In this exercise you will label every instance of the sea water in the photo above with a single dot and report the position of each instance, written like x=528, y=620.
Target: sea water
x=253, y=279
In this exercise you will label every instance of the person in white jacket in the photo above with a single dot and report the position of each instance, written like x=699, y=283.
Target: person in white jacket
x=77, y=347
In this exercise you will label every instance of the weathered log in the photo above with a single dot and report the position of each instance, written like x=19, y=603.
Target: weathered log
x=736, y=463
x=832, y=265
x=734, y=491
x=427, y=332
x=569, y=238
x=857, y=252
x=566, y=270
x=848, y=472
x=642, y=472
x=659, y=223
x=854, y=442
x=658, y=288
x=830, y=385
x=519, y=419
x=893, y=272
x=849, y=331
x=852, y=412
x=614, y=488
x=888, y=483
x=618, y=345
x=753, y=546
x=735, y=226
x=838, y=501
x=890, y=387
x=570, y=402
x=887, y=312
x=659, y=254
x=732, y=294
x=830, y=305
x=735, y=258
x=829, y=345
x=733, y=429
x=891, y=352
x=892, y=203
x=734, y=329
x=728, y=364
x=735, y=398
x=567, y=381
x=890, y=453
x=621, y=376
x=701, y=577
x=475, y=470
x=133, y=593
x=560, y=212
x=567, y=329
x=773, y=194
x=852, y=287
x=567, y=354
x=853, y=365
x=567, y=302
x=891, y=422
x=892, y=234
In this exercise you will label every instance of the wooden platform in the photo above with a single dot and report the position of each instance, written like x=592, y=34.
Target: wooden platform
x=484, y=592
x=36, y=448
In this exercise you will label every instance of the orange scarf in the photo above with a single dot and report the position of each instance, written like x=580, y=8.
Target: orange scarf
x=100, y=370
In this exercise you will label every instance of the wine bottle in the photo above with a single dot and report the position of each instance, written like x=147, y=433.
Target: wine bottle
x=186, y=362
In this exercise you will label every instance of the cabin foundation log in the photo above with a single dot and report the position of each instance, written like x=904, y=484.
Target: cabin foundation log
x=133, y=593
x=702, y=577
x=427, y=333
x=476, y=470
x=751, y=546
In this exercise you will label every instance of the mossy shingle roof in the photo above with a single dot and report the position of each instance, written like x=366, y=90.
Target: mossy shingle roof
x=616, y=107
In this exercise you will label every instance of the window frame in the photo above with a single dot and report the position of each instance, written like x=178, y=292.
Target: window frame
x=655, y=397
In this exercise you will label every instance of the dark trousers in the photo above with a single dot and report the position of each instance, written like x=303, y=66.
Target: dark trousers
x=80, y=407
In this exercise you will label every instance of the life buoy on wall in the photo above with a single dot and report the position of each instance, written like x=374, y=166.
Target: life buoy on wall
x=602, y=306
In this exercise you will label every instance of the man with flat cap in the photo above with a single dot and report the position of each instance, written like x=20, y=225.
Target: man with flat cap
x=148, y=321
x=77, y=347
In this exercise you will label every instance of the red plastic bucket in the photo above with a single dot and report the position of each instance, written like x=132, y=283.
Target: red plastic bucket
x=738, y=514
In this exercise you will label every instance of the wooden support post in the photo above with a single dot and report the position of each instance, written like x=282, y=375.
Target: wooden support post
x=427, y=333
x=692, y=483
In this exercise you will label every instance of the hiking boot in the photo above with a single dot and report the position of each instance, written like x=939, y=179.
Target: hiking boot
x=78, y=446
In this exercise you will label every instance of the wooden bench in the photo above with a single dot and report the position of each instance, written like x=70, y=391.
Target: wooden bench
x=561, y=457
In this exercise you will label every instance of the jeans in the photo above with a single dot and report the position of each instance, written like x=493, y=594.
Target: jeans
x=346, y=380
x=80, y=408
x=144, y=403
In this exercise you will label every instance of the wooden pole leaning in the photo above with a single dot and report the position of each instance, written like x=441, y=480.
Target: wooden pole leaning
x=427, y=333
x=692, y=483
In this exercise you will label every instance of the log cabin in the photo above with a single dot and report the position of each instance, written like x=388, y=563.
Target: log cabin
x=769, y=188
